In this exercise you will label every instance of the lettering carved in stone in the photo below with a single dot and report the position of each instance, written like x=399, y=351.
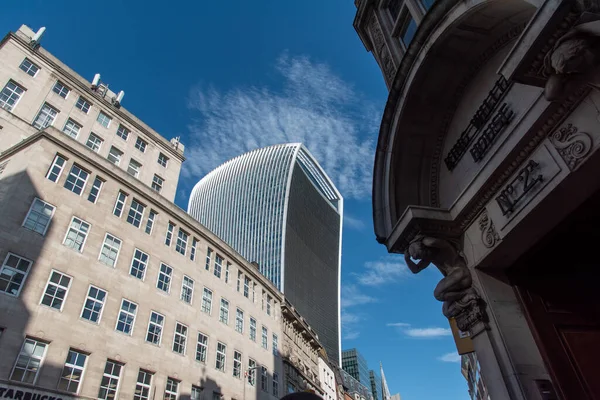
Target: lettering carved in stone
x=489, y=236
x=572, y=146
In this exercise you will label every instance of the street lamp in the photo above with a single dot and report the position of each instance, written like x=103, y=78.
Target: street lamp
x=246, y=375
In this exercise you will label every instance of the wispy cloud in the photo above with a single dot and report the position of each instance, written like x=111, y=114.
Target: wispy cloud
x=351, y=320
x=352, y=296
x=398, y=324
x=427, y=333
x=450, y=357
x=353, y=223
x=314, y=106
x=386, y=270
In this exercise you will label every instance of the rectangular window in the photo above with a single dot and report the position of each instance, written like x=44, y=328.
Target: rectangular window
x=246, y=287
x=265, y=337
x=134, y=168
x=193, y=249
x=237, y=364
x=155, y=327
x=140, y=144
x=181, y=244
x=227, y=272
x=29, y=361
x=263, y=379
x=224, y=312
x=150, y=222
x=10, y=95
x=408, y=27
x=201, y=347
x=110, y=250
x=13, y=274
x=95, y=191
x=136, y=213
x=196, y=393
x=126, y=318
x=39, y=216
x=252, y=329
x=239, y=280
x=208, y=259
x=56, y=290
x=94, y=304
x=123, y=132
x=221, y=356
x=72, y=373
x=71, y=128
x=143, y=385
x=83, y=104
x=76, y=179
x=169, y=236
x=276, y=384
x=94, y=142
x=251, y=372
x=139, y=264
x=187, y=289
x=254, y=292
x=29, y=67
x=109, y=386
x=180, y=338
x=275, y=345
x=164, y=278
x=218, y=266
x=56, y=168
x=114, y=155
x=119, y=204
x=171, y=389
x=45, y=117
x=207, y=301
x=163, y=160
x=269, y=301
x=61, y=89
x=77, y=234
x=157, y=183
x=239, y=320
x=103, y=119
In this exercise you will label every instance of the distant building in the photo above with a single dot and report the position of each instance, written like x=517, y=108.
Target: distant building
x=327, y=378
x=355, y=364
x=353, y=387
x=396, y=397
x=472, y=372
x=375, y=379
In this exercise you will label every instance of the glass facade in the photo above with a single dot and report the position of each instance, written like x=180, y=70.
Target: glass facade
x=376, y=385
x=355, y=364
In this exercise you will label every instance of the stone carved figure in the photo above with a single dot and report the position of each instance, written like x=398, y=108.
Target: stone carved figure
x=574, y=59
x=461, y=300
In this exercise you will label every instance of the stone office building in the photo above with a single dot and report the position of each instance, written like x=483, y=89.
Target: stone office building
x=107, y=289
x=486, y=167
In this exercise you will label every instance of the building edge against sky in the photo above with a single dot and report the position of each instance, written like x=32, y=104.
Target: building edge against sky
x=281, y=193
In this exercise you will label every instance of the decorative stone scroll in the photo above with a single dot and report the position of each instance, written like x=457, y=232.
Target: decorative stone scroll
x=380, y=50
x=489, y=235
x=572, y=146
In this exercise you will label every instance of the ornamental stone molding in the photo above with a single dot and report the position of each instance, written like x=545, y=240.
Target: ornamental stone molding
x=573, y=146
x=489, y=235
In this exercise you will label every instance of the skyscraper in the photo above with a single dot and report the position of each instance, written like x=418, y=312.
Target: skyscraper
x=355, y=364
x=276, y=206
x=376, y=385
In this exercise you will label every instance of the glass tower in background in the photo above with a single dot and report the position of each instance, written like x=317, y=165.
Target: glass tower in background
x=355, y=364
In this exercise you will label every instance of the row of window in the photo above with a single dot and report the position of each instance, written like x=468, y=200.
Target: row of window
x=400, y=12
x=33, y=352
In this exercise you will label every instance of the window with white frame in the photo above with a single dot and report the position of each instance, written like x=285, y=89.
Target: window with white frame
x=95, y=190
x=13, y=274
x=269, y=301
x=275, y=345
x=94, y=304
x=252, y=329
x=239, y=320
x=224, y=311
x=10, y=95
x=265, y=337
x=221, y=356
x=83, y=104
x=227, y=272
x=201, y=347
x=71, y=128
x=169, y=235
x=251, y=372
x=207, y=301
x=196, y=393
x=72, y=373
x=150, y=223
x=61, y=89
x=139, y=264
x=39, y=216
x=193, y=249
x=45, y=117
x=246, y=287
x=119, y=204
x=110, y=250
x=254, y=292
x=140, y=144
x=94, y=142
x=237, y=364
x=163, y=160
x=182, y=240
x=136, y=213
x=76, y=179
x=239, y=280
x=109, y=386
x=77, y=234
x=29, y=67
x=155, y=328
x=126, y=319
x=208, y=259
x=187, y=289
x=56, y=168
x=56, y=290
x=29, y=362
x=143, y=385
x=276, y=384
x=164, y=278
x=263, y=379
x=180, y=338
x=123, y=132
x=103, y=119
x=171, y=389
x=134, y=168
x=157, y=183
x=218, y=266
x=114, y=155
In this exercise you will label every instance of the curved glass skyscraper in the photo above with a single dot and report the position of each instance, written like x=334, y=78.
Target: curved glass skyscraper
x=276, y=206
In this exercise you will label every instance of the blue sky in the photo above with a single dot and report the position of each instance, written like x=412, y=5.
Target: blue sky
x=231, y=76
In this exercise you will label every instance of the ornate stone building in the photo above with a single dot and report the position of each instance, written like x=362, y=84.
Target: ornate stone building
x=486, y=167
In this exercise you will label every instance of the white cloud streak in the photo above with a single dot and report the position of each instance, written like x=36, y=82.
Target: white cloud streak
x=351, y=321
x=386, y=270
x=352, y=296
x=353, y=223
x=450, y=357
x=421, y=333
x=314, y=107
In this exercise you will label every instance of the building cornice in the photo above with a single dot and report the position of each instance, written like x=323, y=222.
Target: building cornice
x=289, y=312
